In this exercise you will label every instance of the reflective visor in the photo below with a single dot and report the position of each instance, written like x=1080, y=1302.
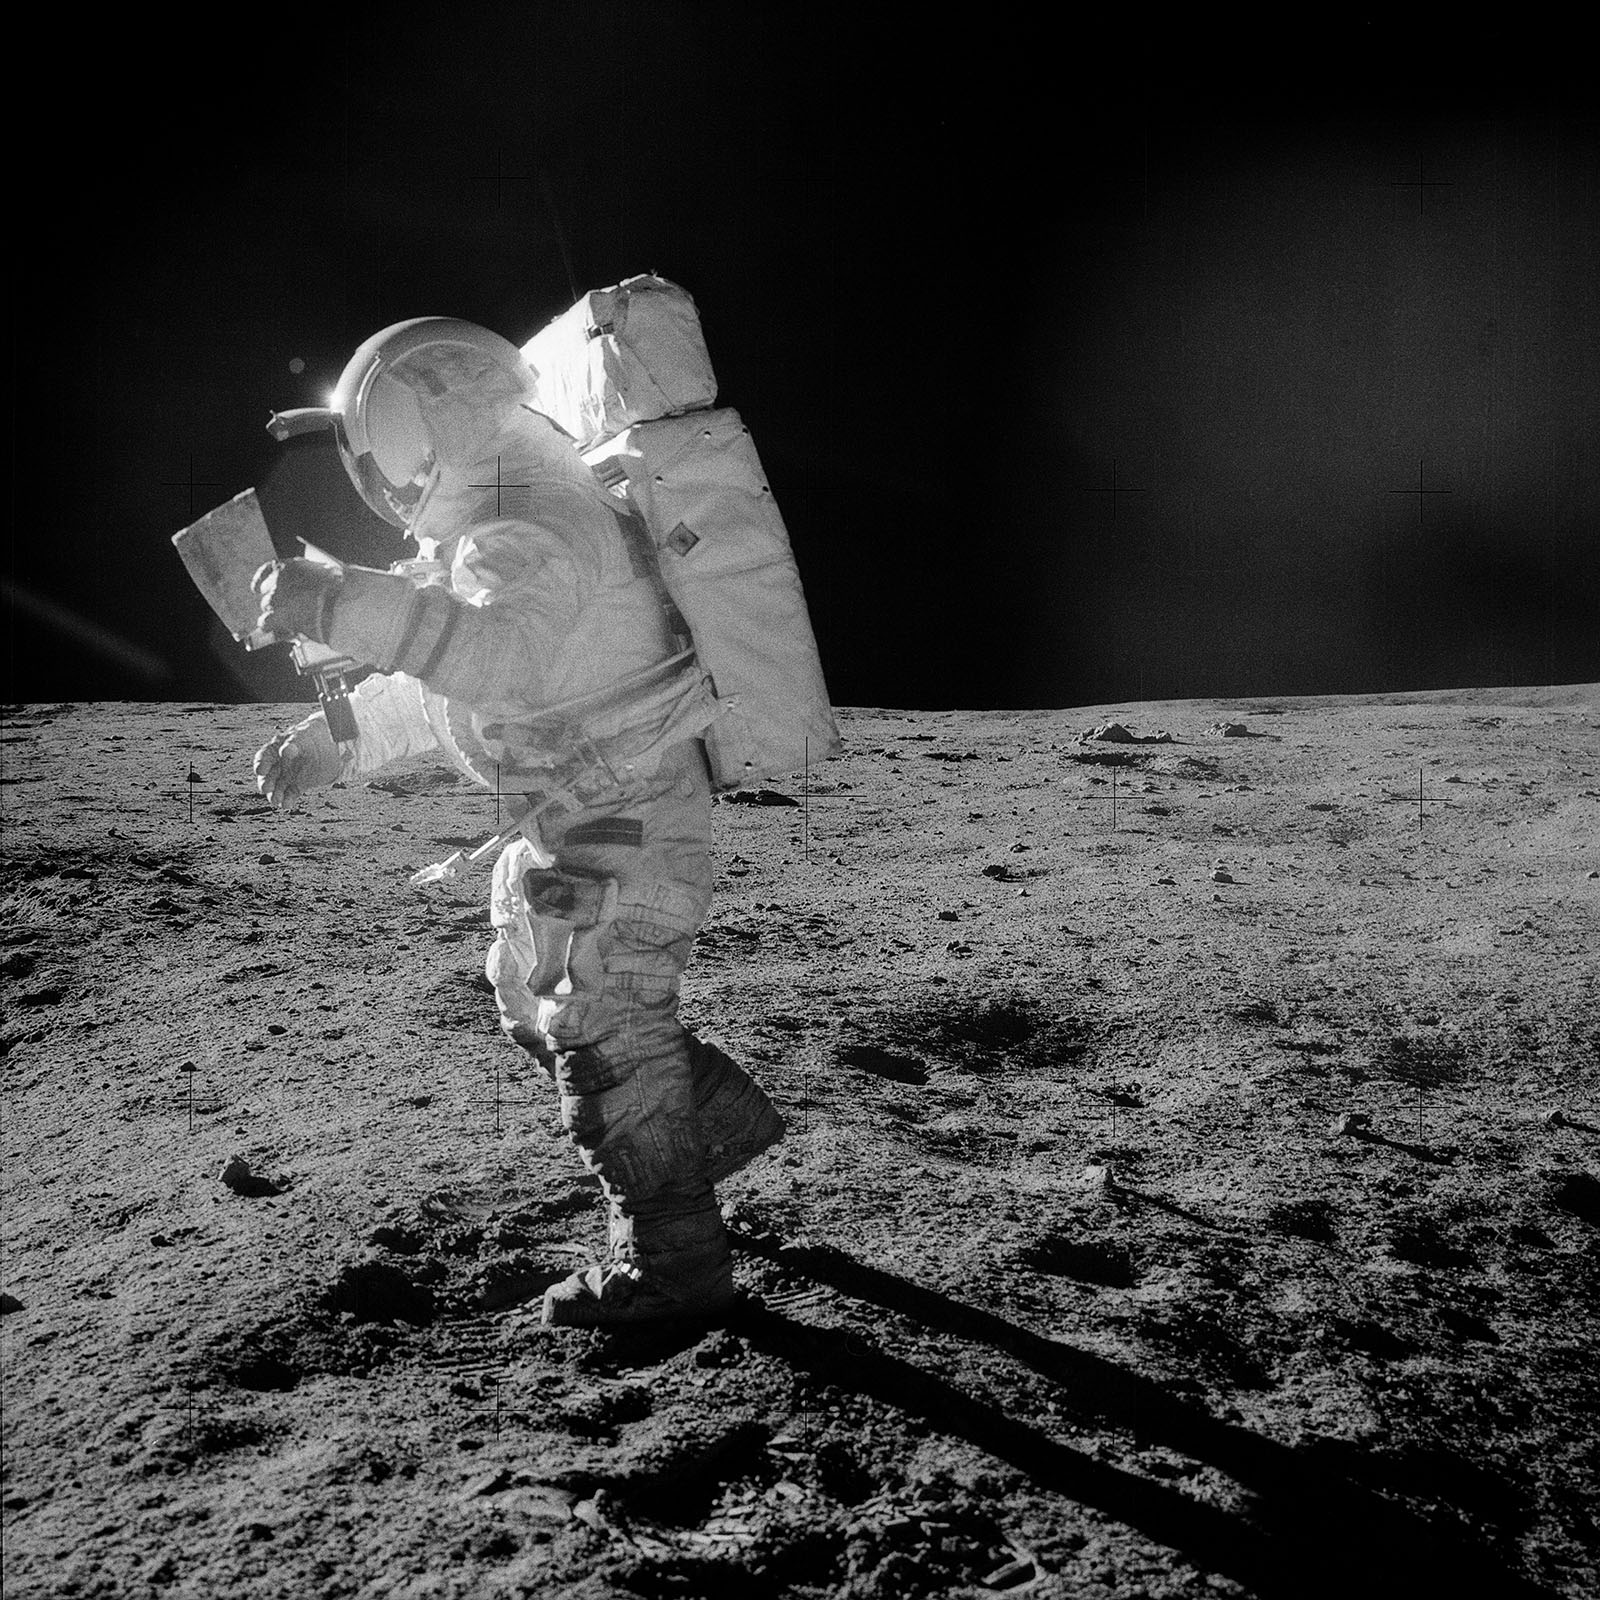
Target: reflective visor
x=394, y=502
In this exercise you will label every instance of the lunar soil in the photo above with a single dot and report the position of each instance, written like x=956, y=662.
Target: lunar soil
x=1191, y=1185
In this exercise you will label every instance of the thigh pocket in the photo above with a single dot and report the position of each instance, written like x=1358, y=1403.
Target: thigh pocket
x=648, y=942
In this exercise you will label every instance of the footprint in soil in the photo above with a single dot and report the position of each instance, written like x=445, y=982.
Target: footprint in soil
x=515, y=1279
x=380, y=1291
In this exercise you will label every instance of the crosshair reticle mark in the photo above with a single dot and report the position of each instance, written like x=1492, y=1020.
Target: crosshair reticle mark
x=500, y=1100
x=1420, y=184
x=499, y=1413
x=806, y=797
x=501, y=178
x=499, y=486
x=1117, y=1099
x=1423, y=800
x=1113, y=798
x=190, y=484
x=1114, y=488
x=189, y=1069
x=1421, y=491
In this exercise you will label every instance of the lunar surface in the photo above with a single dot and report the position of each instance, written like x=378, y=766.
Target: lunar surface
x=1190, y=1186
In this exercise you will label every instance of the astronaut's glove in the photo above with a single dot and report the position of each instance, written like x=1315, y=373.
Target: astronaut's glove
x=303, y=757
x=297, y=598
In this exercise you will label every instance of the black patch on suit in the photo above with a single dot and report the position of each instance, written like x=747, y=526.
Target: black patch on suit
x=628, y=831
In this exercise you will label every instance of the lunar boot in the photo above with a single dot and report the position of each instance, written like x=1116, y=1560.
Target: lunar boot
x=669, y=1260
x=637, y=1127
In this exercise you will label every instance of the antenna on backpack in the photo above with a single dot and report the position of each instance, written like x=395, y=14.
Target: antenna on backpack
x=558, y=230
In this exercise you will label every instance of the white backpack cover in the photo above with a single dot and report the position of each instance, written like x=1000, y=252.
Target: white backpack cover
x=622, y=355
x=725, y=559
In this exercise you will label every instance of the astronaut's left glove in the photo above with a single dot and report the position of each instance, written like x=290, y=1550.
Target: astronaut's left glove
x=297, y=597
x=300, y=758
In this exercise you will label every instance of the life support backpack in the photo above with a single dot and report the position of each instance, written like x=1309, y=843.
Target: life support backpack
x=626, y=373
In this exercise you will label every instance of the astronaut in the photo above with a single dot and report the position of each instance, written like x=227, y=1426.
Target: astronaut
x=532, y=643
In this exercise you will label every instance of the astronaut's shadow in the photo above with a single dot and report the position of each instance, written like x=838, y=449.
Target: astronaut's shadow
x=1308, y=1528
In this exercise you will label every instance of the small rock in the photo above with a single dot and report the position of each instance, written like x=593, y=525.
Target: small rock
x=1351, y=1122
x=487, y=1483
x=237, y=1176
x=722, y=1350
x=1221, y=875
x=1110, y=733
x=1595, y=873
x=949, y=916
x=546, y=1500
x=1555, y=1119
x=1228, y=730
x=1011, y=1576
x=1098, y=1176
x=8, y=1303
x=590, y=1512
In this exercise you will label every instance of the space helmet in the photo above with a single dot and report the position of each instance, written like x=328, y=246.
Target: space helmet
x=418, y=396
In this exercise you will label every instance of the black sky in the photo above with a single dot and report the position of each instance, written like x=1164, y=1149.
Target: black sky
x=962, y=273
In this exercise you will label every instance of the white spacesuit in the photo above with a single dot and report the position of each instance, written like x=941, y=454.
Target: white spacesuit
x=532, y=642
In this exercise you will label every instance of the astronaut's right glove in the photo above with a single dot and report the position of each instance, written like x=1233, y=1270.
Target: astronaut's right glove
x=297, y=597
x=302, y=757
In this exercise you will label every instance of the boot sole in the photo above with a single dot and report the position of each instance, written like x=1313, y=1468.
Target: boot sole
x=588, y=1315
